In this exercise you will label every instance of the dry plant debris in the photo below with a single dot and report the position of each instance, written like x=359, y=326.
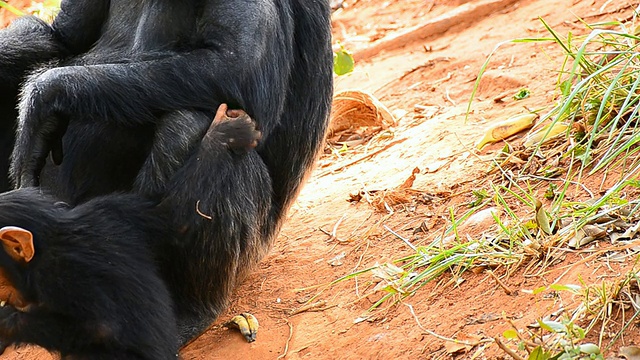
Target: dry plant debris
x=356, y=116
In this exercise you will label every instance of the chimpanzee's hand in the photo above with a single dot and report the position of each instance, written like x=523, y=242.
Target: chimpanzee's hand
x=236, y=129
x=41, y=125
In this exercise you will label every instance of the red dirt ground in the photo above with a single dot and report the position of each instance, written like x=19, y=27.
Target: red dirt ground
x=430, y=80
x=6, y=16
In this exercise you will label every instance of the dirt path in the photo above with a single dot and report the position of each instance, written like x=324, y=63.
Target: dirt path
x=427, y=76
x=430, y=80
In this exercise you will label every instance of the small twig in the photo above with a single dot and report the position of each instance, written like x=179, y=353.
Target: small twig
x=504, y=286
x=428, y=64
x=448, y=97
x=335, y=228
x=200, y=212
x=507, y=350
x=340, y=167
x=406, y=241
x=584, y=187
x=528, y=344
x=286, y=345
x=332, y=235
x=444, y=338
x=355, y=268
x=309, y=307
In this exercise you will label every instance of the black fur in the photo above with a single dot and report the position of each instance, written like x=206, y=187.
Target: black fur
x=121, y=73
x=25, y=44
x=92, y=288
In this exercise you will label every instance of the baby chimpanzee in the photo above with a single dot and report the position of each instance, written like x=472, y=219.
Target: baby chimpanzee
x=81, y=281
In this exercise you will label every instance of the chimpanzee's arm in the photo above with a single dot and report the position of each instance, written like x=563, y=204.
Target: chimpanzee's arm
x=248, y=70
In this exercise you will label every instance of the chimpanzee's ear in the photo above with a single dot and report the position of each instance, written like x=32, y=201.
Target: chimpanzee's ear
x=18, y=243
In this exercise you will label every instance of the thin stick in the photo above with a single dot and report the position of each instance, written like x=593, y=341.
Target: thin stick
x=340, y=167
x=444, y=338
x=449, y=97
x=406, y=241
x=308, y=307
x=507, y=350
x=506, y=289
x=334, y=232
x=286, y=345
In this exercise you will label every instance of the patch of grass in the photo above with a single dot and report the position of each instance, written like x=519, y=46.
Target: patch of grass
x=540, y=193
x=560, y=337
x=550, y=340
x=453, y=252
x=599, y=95
x=46, y=10
x=599, y=86
x=599, y=92
x=12, y=9
x=429, y=262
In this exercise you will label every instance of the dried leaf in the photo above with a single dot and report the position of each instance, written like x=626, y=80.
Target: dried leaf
x=630, y=352
x=409, y=182
x=337, y=261
x=388, y=271
x=587, y=234
x=454, y=347
x=541, y=218
x=506, y=128
x=631, y=232
x=545, y=134
x=595, y=231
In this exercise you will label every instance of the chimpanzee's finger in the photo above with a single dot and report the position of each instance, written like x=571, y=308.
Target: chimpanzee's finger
x=37, y=159
x=221, y=113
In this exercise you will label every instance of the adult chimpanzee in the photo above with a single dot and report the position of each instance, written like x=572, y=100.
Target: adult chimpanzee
x=83, y=281
x=127, y=81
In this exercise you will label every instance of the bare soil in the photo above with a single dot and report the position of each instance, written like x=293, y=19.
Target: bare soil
x=6, y=16
x=427, y=83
